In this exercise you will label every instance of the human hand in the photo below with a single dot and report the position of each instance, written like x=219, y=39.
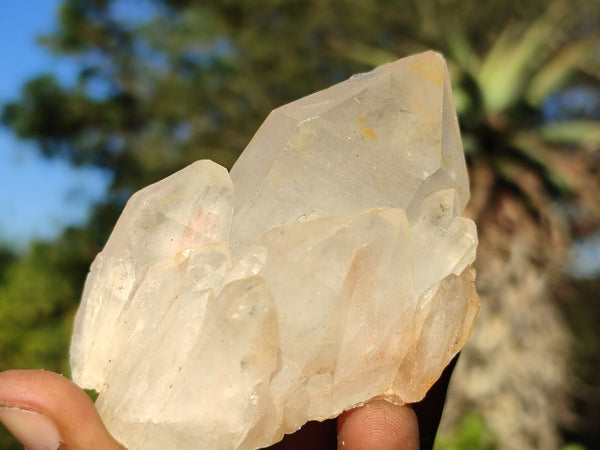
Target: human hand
x=45, y=411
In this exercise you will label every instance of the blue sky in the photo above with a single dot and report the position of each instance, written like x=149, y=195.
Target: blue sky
x=37, y=197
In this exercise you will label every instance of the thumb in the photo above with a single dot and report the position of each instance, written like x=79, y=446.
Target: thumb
x=378, y=425
x=45, y=411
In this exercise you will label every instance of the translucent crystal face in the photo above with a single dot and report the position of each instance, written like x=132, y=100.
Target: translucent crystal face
x=330, y=269
x=386, y=138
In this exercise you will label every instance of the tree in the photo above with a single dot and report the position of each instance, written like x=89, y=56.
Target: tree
x=583, y=309
x=536, y=184
x=192, y=80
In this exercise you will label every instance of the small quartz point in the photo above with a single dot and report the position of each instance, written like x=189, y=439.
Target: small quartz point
x=332, y=267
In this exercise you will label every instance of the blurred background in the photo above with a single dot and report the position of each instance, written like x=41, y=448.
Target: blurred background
x=101, y=97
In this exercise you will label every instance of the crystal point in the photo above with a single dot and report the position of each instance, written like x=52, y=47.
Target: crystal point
x=332, y=268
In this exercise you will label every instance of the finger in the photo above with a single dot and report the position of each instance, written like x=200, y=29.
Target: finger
x=44, y=410
x=379, y=425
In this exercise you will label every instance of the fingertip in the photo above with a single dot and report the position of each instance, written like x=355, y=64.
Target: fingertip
x=378, y=424
x=56, y=398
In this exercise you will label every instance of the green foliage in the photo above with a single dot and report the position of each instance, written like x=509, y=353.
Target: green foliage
x=7, y=441
x=6, y=257
x=502, y=94
x=470, y=434
x=37, y=299
x=39, y=292
x=572, y=447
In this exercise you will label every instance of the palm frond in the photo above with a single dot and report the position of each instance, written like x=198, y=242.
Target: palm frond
x=560, y=67
x=535, y=149
x=507, y=66
x=583, y=133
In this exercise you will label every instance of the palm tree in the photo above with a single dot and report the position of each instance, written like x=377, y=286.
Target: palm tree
x=535, y=184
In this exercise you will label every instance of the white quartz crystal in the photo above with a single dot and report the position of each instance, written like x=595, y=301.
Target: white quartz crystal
x=333, y=269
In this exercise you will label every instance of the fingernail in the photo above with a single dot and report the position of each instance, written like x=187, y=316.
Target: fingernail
x=33, y=430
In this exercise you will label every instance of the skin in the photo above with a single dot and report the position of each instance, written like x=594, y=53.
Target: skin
x=377, y=425
x=59, y=399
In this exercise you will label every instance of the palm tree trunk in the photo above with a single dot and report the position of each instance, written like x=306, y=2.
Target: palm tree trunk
x=514, y=370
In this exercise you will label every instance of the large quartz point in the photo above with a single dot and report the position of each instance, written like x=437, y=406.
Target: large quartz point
x=331, y=268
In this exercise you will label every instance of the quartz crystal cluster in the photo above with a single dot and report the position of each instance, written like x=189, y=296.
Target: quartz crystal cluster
x=329, y=268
